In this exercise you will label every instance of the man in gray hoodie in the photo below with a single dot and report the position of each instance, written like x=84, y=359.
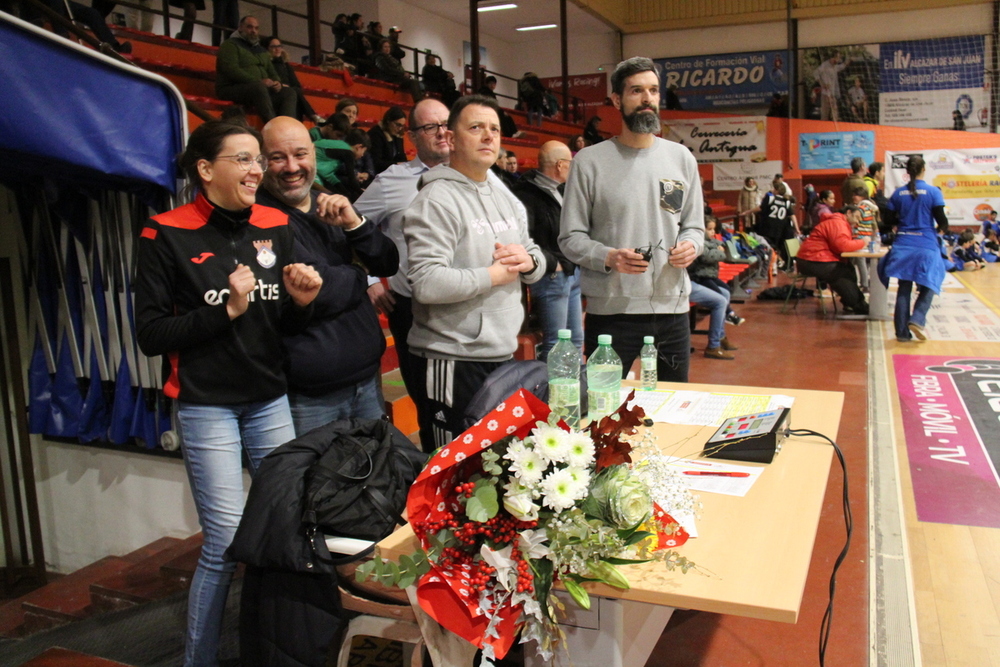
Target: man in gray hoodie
x=469, y=251
x=636, y=192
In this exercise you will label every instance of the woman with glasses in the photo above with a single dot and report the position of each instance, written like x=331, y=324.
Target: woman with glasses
x=279, y=58
x=215, y=291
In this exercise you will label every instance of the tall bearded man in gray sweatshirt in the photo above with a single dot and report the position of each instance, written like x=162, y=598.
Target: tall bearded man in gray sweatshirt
x=469, y=251
x=633, y=220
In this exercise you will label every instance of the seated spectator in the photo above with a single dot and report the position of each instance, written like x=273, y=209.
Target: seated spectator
x=356, y=50
x=590, y=132
x=387, y=140
x=507, y=125
x=576, y=143
x=991, y=223
x=91, y=18
x=968, y=253
x=245, y=74
x=437, y=79
x=823, y=206
x=717, y=304
x=990, y=243
x=820, y=257
x=349, y=108
x=531, y=94
x=279, y=58
x=335, y=159
x=397, y=51
x=705, y=269
x=388, y=68
x=359, y=142
x=500, y=168
x=511, y=165
x=339, y=29
x=375, y=31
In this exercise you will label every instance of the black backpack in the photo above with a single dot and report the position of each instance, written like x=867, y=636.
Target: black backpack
x=358, y=487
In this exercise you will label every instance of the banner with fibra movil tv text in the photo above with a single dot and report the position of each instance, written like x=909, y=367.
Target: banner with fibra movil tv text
x=923, y=83
x=835, y=150
x=732, y=175
x=968, y=178
x=724, y=81
x=721, y=139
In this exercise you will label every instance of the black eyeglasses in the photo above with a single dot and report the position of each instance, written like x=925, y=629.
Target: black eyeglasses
x=245, y=160
x=431, y=128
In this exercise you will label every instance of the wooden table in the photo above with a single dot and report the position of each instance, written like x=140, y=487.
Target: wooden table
x=755, y=550
x=878, y=295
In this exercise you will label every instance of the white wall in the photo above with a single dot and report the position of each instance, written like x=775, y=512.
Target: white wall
x=917, y=24
x=586, y=53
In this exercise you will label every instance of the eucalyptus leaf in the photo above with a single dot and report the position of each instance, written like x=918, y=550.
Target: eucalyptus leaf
x=407, y=578
x=364, y=571
x=482, y=505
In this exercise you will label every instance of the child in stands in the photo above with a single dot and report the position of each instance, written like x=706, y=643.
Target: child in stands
x=968, y=253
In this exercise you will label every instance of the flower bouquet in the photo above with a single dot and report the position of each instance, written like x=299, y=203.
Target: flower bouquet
x=520, y=502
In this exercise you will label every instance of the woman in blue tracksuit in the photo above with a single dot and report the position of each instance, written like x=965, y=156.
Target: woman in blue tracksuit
x=915, y=256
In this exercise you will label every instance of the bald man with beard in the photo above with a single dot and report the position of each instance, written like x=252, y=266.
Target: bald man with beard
x=333, y=366
x=556, y=297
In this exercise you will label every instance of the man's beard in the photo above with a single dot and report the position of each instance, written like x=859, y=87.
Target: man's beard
x=288, y=194
x=640, y=122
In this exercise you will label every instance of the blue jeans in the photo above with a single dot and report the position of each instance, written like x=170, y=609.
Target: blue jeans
x=902, y=317
x=213, y=439
x=718, y=305
x=556, y=299
x=359, y=401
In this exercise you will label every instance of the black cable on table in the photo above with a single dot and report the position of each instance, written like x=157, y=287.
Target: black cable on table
x=824, y=630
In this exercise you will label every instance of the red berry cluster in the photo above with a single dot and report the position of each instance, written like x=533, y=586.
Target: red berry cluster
x=501, y=529
x=525, y=580
x=465, y=489
x=481, y=574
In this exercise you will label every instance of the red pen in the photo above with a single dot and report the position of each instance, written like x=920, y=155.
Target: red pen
x=717, y=473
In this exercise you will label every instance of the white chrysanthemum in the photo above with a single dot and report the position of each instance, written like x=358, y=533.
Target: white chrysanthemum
x=558, y=490
x=581, y=450
x=526, y=464
x=551, y=442
x=581, y=481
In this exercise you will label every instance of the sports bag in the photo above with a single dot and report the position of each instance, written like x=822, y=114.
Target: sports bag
x=358, y=487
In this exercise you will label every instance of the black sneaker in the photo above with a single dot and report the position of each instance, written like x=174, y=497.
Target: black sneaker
x=734, y=319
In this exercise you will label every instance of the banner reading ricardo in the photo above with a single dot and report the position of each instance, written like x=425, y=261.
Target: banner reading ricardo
x=731, y=80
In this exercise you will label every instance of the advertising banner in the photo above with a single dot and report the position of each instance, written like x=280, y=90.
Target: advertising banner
x=925, y=83
x=591, y=89
x=731, y=175
x=950, y=408
x=969, y=180
x=721, y=139
x=724, y=81
x=834, y=150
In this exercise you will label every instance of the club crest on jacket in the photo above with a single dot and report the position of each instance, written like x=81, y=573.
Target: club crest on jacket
x=265, y=255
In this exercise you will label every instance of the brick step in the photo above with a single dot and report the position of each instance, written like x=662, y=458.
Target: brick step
x=144, y=581
x=65, y=600
x=62, y=657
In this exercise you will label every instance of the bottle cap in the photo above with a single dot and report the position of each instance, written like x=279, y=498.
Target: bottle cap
x=565, y=334
x=604, y=339
x=647, y=340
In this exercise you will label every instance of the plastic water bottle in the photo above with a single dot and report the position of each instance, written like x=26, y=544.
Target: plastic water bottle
x=604, y=379
x=647, y=362
x=564, y=379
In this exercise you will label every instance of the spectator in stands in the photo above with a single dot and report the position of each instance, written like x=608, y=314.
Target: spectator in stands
x=820, y=256
x=390, y=69
x=191, y=9
x=507, y=124
x=671, y=101
x=576, y=143
x=349, y=108
x=344, y=248
x=225, y=13
x=968, y=252
x=438, y=80
x=828, y=77
x=467, y=307
x=359, y=142
x=958, y=121
x=875, y=178
x=915, y=255
x=705, y=269
x=499, y=169
x=858, y=101
x=375, y=31
x=229, y=385
x=387, y=140
x=748, y=204
x=511, y=166
x=91, y=18
x=854, y=180
x=279, y=58
x=245, y=74
x=357, y=49
x=636, y=190
x=339, y=29
x=384, y=202
x=779, y=106
x=555, y=298
x=397, y=51
x=335, y=170
x=531, y=95
x=590, y=132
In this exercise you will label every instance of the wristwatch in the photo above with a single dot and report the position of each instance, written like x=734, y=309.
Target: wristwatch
x=534, y=265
